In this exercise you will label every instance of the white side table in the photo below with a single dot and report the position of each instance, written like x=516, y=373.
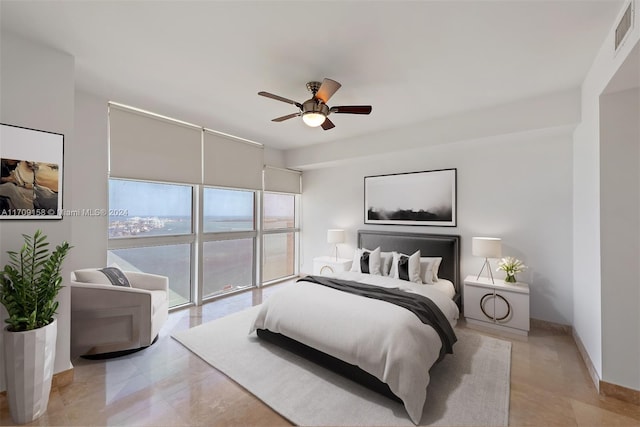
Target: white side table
x=329, y=265
x=500, y=306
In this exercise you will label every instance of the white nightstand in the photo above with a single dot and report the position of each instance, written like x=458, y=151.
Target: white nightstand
x=329, y=265
x=501, y=306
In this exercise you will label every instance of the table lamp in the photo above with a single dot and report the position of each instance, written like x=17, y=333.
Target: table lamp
x=335, y=236
x=487, y=247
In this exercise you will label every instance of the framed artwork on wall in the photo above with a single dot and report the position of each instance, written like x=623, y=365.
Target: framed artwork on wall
x=30, y=173
x=412, y=198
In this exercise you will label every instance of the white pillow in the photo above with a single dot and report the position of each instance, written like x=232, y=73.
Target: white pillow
x=426, y=271
x=413, y=268
x=430, y=264
x=387, y=260
x=374, y=261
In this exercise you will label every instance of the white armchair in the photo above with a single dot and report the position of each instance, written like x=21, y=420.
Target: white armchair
x=107, y=318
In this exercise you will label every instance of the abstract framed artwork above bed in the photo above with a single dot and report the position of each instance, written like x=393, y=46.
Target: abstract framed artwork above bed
x=411, y=198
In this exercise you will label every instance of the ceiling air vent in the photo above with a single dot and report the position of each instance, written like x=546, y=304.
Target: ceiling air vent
x=624, y=25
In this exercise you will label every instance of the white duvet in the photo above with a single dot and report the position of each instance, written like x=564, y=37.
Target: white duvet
x=385, y=340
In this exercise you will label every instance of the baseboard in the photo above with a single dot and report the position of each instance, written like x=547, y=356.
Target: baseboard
x=619, y=392
x=587, y=360
x=604, y=388
x=570, y=330
x=60, y=379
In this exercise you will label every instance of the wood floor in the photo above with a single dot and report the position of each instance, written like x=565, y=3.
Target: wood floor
x=166, y=385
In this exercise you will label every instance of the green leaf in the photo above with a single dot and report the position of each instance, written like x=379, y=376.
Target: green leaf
x=31, y=281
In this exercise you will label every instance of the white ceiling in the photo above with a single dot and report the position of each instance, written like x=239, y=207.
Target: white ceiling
x=204, y=61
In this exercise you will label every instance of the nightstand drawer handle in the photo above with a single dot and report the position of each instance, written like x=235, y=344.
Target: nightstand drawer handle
x=482, y=301
x=327, y=269
x=482, y=305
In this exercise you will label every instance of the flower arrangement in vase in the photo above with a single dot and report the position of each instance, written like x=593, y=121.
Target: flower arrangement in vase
x=511, y=266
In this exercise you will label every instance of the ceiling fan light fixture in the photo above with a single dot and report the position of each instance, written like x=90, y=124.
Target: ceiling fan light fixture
x=315, y=111
x=313, y=119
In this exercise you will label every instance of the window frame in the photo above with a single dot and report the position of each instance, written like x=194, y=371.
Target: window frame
x=214, y=236
x=135, y=242
x=196, y=239
x=285, y=230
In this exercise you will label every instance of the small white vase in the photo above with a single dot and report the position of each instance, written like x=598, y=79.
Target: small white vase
x=29, y=357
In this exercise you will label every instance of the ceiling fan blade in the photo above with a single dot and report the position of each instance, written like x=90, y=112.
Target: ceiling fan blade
x=327, y=124
x=280, y=98
x=351, y=109
x=287, y=117
x=327, y=89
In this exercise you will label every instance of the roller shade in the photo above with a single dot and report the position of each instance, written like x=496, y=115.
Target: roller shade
x=231, y=162
x=147, y=147
x=282, y=180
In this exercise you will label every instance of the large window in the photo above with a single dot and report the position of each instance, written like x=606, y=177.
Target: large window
x=280, y=236
x=155, y=231
x=279, y=256
x=173, y=261
x=279, y=211
x=227, y=266
x=229, y=236
x=198, y=206
x=144, y=209
x=151, y=230
x=228, y=210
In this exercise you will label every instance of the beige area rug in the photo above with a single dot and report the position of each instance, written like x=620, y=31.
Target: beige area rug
x=469, y=388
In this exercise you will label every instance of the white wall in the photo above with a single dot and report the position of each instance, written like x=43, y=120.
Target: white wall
x=38, y=91
x=517, y=187
x=620, y=236
x=37, y=87
x=587, y=286
x=90, y=180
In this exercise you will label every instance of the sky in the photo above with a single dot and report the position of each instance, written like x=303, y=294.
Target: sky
x=149, y=199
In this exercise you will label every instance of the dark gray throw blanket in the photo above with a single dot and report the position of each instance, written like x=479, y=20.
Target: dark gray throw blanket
x=425, y=309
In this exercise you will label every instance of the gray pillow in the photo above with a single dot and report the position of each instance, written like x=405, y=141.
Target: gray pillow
x=116, y=276
x=99, y=277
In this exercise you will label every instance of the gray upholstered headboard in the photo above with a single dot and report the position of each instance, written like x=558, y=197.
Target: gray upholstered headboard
x=446, y=246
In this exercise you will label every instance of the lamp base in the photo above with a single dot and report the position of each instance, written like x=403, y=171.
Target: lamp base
x=488, y=265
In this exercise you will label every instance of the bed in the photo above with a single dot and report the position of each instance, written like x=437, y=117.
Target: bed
x=381, y=345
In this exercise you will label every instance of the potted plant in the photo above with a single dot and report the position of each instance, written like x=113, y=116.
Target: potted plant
x=29, y=285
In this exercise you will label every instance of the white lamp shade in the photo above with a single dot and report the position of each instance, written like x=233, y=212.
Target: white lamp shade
x=486, y=247
x=335, y=236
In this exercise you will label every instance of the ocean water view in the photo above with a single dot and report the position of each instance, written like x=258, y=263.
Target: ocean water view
x=144, y=226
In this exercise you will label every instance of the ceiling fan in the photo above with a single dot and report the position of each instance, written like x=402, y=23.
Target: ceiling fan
x=314, y=111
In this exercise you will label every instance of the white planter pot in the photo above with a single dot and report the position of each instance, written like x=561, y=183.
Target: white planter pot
x=29, y=358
